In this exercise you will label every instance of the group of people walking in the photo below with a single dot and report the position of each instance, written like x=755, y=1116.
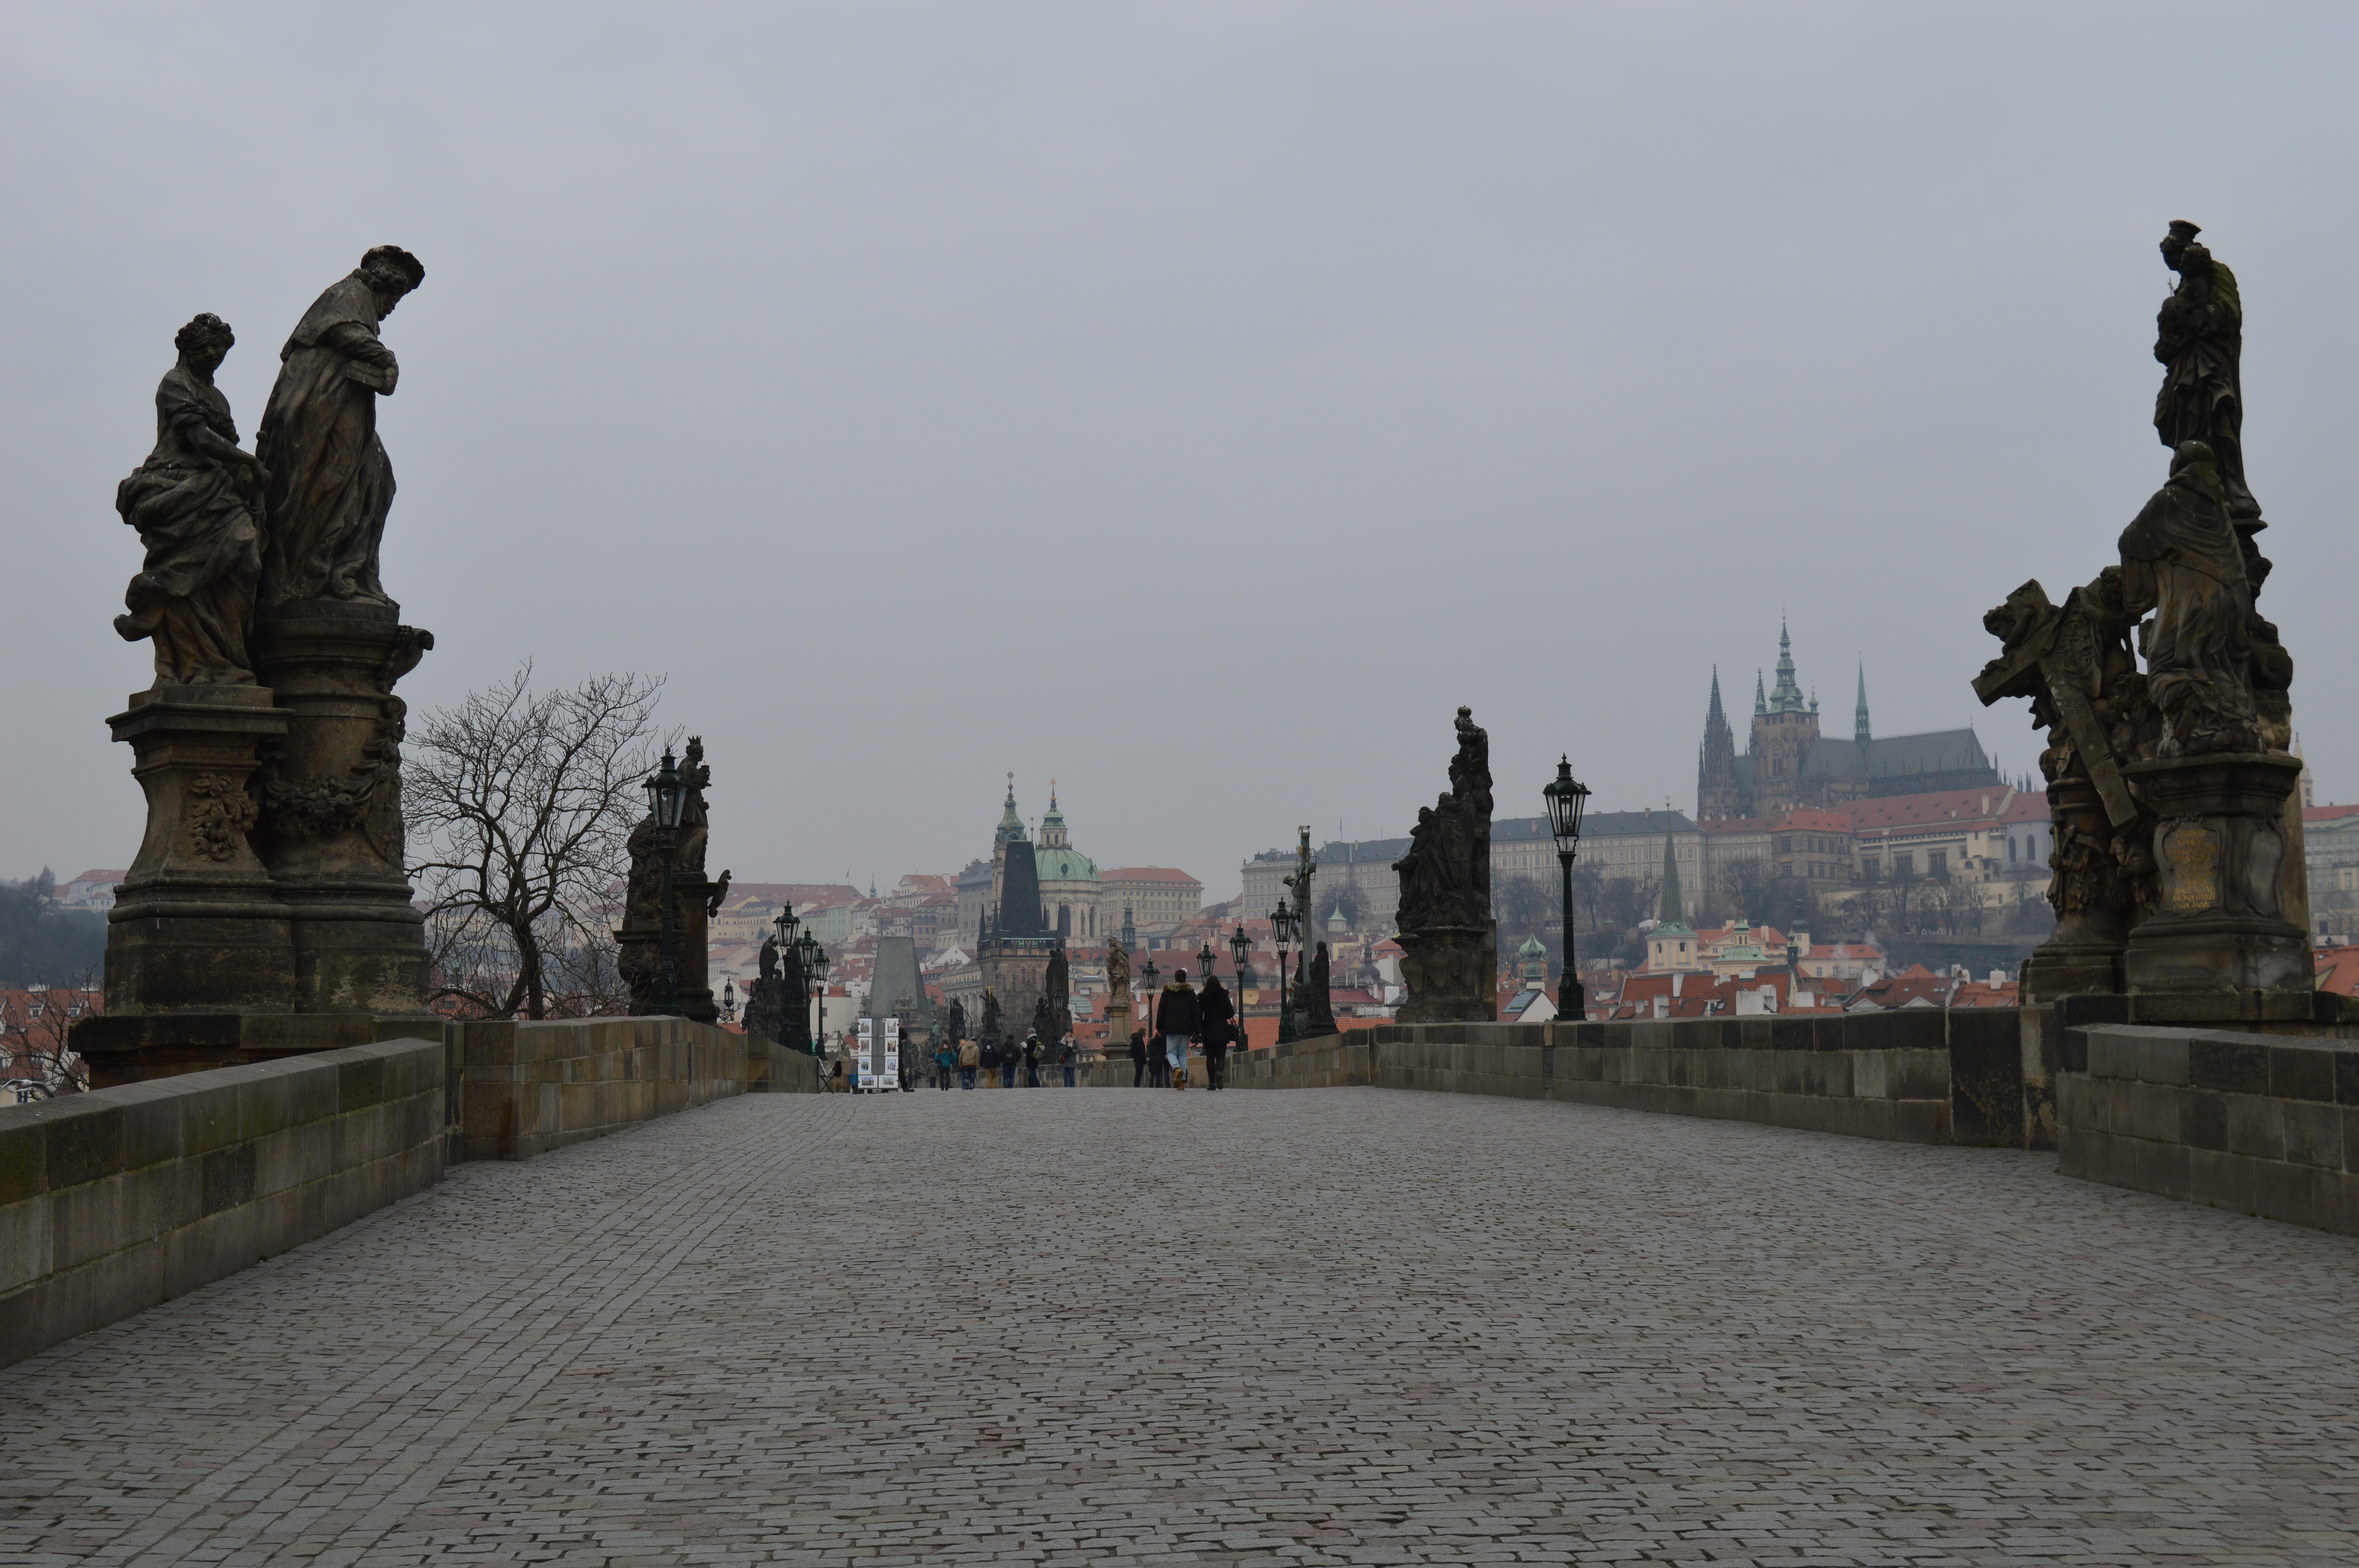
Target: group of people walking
x=1005, y=1057
x=1184, y=1015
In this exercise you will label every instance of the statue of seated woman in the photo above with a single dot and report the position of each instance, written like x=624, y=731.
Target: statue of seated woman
x=197, y=505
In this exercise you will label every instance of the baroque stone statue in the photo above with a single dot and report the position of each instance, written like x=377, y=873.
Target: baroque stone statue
x=330, y=484
x=763, y=1012
x=2180, y=560
x=1320, y=1012
x=1117, y=976
x=197, y=503
x=693, y=898
x=957, y=1027
x=1445, y=878
x=2200, y=342
x=992, y=1030
x=1447, y=933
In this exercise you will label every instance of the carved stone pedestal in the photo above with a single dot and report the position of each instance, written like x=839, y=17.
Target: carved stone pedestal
x=1452, y=973
x=2218, y=853
x=2093, y=914
x=331, y=805
x=196, y=925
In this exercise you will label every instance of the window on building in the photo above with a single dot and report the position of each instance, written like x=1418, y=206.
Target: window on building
x=1937, y=862
x=1903, y=863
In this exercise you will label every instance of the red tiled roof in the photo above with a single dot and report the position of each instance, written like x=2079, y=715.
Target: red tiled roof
x=1812, y=821
x=2338, y=967
x=1146, y=874
x=1939, y=809
x=2308, y=814
x=2029, y=805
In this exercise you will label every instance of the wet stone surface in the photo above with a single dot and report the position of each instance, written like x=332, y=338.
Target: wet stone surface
x=1315, y=1327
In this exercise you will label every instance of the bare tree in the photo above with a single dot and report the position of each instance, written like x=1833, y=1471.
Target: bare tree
x=1347, y=897
x=525, y=802
x=1522, y=903
x=1588, y=893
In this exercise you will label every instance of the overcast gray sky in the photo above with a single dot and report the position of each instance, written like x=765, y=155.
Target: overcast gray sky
x=1192, y=402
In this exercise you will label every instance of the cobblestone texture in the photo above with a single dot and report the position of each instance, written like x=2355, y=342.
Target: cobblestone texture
x=1319, y=1327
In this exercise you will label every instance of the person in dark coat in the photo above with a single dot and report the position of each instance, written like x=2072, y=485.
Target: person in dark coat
x=1032, y=1051
x=1137, y=1057
x=1215, y=1029
x=1176, y=1017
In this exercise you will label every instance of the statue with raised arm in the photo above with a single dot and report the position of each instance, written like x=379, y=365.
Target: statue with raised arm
x=330, y=484
x=197, y=505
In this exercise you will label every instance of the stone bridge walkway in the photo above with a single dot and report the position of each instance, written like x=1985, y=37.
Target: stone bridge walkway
x=1335, y=1326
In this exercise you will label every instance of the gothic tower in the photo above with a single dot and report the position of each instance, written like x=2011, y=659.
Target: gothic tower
x=1716, y=793
x=1859, y=730
x=1785, y=728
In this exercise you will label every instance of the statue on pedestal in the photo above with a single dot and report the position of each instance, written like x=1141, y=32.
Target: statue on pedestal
x=1446, y=932
x=197, y=503
x=331, y=483
x=765, y=1010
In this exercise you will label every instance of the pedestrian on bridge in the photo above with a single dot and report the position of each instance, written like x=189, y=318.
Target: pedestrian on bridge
x=1009, y=1053
x=1137, y=1057
x=1176, y=1016
x=1033, y=1052
x=945, y=1063
x=1213, y=1013
x=970, y=1057
x=1066, y=1054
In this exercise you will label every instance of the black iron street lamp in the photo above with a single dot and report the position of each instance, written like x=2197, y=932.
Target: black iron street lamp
x=729, y=999
x=1204, y=958
x=792, y=1022
x=815, y=972
x=1281, y=932
x=1152, y=974
x=1567, y=797
x=666, y=796
x=1240, y=949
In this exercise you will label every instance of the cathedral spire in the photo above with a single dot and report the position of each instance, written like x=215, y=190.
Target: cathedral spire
x=1760, y=703
x=1713, y=715
x=1011, y=826
x=1673, y=908
x=1859, y=730
x=1786, y=697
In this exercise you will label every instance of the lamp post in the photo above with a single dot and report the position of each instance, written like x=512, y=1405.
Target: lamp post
x=815, y=972
x=1281, y=931
x=1566, y=797
x=1152, y=974
x=1240, y=949
x=666, y=794
x=729, y=999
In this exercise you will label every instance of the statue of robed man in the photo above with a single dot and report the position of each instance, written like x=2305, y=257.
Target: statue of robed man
x=331, y=483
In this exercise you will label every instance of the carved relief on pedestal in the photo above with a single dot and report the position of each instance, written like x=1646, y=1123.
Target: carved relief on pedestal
x=220, y=815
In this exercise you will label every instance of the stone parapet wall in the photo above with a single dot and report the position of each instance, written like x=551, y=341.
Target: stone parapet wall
x=1922, y=1075
x=115, y=1200
x=524, y=1088
x=2261, y=1123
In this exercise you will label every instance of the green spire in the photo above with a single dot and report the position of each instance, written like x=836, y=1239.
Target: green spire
x=1786, y=697
x=1859, y=730
x=1673, y=910
x=1011, y=827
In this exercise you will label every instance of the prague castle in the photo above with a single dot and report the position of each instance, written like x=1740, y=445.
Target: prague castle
x=1788, y=765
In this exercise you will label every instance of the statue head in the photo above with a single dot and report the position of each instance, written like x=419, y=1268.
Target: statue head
x=390, y=272
x=2174, y=243
x=204, y=343
x=2188, y=453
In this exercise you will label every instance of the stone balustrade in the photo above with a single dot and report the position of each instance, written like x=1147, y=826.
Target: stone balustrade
x=115, y=1200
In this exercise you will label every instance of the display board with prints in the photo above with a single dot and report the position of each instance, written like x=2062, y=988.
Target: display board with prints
x=879, y=1057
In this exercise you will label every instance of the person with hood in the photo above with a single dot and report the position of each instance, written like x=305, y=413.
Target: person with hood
x=1213, y=1013
x=1032, y=1052
x=1010, y=1052
x=1176, y=1017
x=1137, y=1057
x=970, y=1057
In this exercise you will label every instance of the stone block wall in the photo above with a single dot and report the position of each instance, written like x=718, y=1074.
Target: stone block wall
x=2264, y=1124
x=114, y=1200
x=1924, y=1075
x=524, y=1088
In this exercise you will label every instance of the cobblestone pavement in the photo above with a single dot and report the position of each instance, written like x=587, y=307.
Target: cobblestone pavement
x=1291, y=1327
